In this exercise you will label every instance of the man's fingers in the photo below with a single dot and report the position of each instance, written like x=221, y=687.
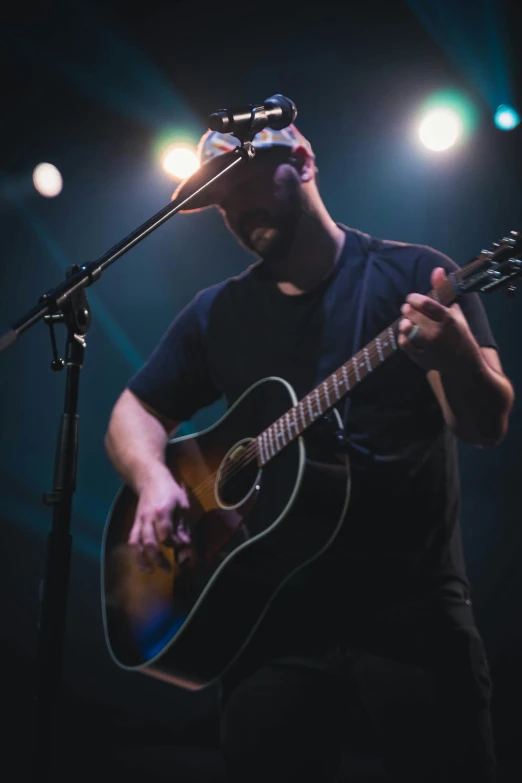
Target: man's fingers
x=135, y=534
x=156, y=529
x=164, y=527
x=438, y=276
x=425, y=305
x=428, y=328
x=147, y=548
x=183, y=532
x=136, y=543
x=148, y=533
x=184, y=501
x=406, y=329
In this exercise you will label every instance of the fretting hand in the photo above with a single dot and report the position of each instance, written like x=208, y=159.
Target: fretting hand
x=434, y=336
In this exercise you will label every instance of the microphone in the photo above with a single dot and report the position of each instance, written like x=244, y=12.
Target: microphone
x=276, y=112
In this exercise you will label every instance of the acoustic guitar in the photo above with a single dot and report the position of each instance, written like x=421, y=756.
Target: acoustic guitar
x=256, y=493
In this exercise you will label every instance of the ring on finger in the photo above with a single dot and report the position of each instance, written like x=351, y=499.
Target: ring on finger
x=414, y=333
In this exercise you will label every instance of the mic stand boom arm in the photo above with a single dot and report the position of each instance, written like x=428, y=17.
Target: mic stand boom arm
x=67, y=303
x=54, y=300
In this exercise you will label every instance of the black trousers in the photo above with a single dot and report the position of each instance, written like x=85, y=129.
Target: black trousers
x=413, y=682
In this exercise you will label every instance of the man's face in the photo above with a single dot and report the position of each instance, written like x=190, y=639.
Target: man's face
x=262, y=203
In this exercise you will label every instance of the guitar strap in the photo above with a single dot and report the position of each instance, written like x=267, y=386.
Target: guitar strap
x=364, y=456
x=370, y=247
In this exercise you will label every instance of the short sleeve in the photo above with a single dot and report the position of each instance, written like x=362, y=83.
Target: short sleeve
x=175, y=379
x=470, y=304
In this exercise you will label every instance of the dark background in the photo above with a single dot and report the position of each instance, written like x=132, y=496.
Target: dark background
x=98, y=89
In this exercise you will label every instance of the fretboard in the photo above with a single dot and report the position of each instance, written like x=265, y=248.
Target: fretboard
x=302, y=415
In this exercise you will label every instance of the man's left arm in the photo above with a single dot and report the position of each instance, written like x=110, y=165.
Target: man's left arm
x=475, y=396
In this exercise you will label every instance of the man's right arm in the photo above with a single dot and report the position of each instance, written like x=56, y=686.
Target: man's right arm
x=135, y=441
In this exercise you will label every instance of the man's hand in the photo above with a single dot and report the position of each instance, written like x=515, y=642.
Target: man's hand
x=443, y=340
x=160, y=520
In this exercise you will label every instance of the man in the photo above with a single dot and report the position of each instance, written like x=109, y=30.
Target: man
x=388, y=604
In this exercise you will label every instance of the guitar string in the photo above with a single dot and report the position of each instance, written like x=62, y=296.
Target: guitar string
x=445, y=291
x=250, y=452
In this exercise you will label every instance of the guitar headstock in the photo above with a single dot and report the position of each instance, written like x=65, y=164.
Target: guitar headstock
x=494, y=268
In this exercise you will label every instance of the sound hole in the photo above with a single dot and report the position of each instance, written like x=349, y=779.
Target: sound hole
x=238, y=475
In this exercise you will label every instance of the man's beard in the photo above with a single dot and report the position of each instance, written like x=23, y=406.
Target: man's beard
x=270, y=235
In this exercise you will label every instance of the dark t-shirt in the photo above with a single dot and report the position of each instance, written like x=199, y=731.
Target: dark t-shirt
x=402, y=536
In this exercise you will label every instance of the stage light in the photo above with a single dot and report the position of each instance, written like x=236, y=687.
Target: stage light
x=47, y=180
x=506, y=117
x=180, y=162
x=440, y=129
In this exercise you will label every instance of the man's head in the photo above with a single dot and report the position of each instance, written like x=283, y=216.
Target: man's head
x=262, y=201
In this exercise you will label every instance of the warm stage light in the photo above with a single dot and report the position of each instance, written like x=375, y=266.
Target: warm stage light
x=180, y=162
x=506, y=117
x=440, y=129
x=47, y=180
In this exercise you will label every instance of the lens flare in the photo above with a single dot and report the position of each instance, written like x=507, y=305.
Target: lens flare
x=506, y=117
x=47, y=180
x=180, y=162
x=440, y=129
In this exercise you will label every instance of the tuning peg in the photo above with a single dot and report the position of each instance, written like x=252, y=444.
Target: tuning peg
x=510, y=290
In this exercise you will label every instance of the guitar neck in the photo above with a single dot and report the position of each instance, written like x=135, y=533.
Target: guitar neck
x=344, y=380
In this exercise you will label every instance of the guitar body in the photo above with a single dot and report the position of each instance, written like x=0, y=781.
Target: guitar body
x=250, y=534
x=252, y=528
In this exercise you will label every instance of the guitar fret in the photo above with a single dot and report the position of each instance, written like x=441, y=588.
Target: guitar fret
x=287, y=425
x=265, y=444
x=260, y=449
x=379, y=349
x=296, y=426
x=318, y=401
x=277, y=435
x=283, y=431
x=336, y=385
x=271, y=442
x=325, y=387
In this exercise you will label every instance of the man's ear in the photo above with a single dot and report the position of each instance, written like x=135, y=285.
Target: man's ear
x=304, y=163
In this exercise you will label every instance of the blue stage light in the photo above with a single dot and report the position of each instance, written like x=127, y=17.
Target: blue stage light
x=506, y=117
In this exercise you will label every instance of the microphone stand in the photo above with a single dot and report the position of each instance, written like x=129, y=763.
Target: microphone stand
x=67, y=303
